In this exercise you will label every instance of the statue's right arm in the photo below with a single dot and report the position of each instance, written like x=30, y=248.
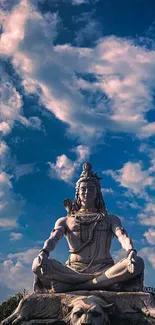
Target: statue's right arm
x=56, y=234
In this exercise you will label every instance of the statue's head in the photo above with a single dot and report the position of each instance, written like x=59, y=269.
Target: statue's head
x=88, y=190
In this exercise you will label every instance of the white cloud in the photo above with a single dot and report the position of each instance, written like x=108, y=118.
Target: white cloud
x=150, y=236
x=11, y=103
x=82, y=153
x=91, y=29
x=4, y=154
x=132, y=176
x=6, y=224
x=65, y=168
x=15, y=236
x=13, y=25
x=79, y=2
x=10, y=203
x=35, y=122
x=16, y=276
x=16, y=271
x=119, y=255
x=124, y=74
x=4, y=127
x=147, y=216
x=148, y=130
x=149, y=254
x=25, y=257
x=22, y=170
x=107, y=190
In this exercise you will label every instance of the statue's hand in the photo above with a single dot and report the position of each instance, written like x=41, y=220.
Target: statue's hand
x=43, y=263
x=132, y=261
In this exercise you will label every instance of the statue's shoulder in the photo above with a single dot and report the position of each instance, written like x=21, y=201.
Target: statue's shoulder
x=114, y=220
x=61, y=222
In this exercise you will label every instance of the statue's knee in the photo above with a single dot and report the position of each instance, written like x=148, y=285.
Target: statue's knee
x=140, y=264
x=35, y=267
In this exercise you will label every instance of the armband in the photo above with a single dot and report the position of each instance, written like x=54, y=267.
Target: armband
x=131, y=250
x=124, y=232
x=45, y=251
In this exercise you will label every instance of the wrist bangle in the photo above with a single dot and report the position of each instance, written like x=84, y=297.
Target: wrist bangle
x=131, y=250
x=45, y=251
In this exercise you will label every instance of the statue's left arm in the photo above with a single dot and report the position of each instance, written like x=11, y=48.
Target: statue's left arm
x=121, y=234
x=125, y=241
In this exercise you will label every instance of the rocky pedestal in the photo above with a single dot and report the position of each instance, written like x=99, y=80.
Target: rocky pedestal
x=125, y=308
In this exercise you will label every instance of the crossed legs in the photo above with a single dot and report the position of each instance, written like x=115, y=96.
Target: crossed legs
x=69, y=279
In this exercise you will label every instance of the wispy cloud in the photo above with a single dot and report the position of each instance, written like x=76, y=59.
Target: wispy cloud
x=11, y=103
x=10, y=204
x=15, y=236
x=16, y=271
x=89, y=29
x=150, y=236
x=119, y=255
x=147, y=216
x=79, y=2
x=123, y=70
x=64, y=168
x=137, y=180
x=107, y=190
x=132, y=176
x=4, y=155
x=26, y=256
x=149, y=254
x=23, y=169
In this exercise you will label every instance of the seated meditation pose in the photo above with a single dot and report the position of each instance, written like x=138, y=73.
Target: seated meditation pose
x=88, y=229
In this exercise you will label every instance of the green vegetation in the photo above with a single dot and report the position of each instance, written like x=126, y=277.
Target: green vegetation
x=8, y=306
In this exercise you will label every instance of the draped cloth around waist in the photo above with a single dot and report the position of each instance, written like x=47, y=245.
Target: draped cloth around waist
x=97, y=267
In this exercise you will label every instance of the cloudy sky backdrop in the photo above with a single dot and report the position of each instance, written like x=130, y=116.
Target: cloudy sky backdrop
x=77, y=84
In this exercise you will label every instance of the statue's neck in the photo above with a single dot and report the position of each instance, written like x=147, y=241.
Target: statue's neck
x=88, y=206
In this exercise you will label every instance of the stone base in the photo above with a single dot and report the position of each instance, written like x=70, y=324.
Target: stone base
x=44, y=322
x=129, y=319
x=129, y=308
x=121, y=320
x=124, y=302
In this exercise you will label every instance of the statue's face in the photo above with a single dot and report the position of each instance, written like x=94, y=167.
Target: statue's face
x=87, y=192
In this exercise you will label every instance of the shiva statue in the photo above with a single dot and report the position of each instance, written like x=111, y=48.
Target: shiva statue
x=89, y=230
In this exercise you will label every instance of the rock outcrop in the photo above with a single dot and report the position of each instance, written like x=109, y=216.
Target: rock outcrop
x=125, y=308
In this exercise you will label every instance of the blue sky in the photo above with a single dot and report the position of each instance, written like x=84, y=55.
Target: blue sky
x=77, y=84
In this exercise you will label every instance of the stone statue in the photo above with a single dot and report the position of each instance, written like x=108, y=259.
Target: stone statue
x=88, y=229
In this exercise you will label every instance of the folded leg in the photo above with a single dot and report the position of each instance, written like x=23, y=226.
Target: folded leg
x=115, y=274
x=57, y=272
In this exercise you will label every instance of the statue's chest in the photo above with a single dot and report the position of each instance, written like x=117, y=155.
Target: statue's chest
x=86, y=229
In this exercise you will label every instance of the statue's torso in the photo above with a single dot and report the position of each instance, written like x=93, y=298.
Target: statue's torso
x=89, y=237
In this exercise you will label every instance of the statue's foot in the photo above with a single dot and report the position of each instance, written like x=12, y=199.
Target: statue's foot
x=59, y=287
x=38, y=287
